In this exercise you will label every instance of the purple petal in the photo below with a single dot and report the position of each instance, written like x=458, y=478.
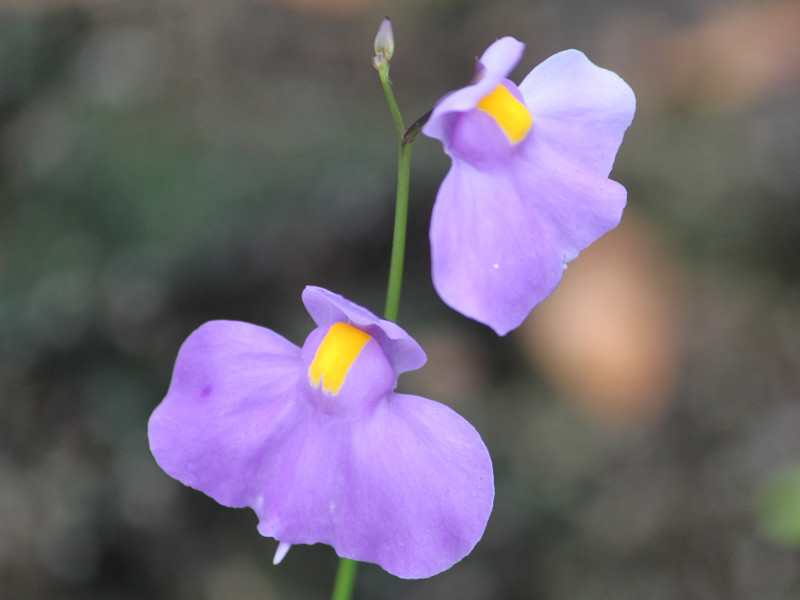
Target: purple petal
x=502, y=56
x=500, y=238
x=399, y=480
x=326, y=308
x=232, y=385
x=409, y=488
x=509, y=217
x=579, y=109
x=492, y=258
x=576, y=204
x=494, y=66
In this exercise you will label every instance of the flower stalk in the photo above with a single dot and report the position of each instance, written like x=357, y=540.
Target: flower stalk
x=392, y=307
x=384, y=49
x=345, y=579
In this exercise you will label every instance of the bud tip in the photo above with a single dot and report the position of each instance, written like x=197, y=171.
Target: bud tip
x=384, y=43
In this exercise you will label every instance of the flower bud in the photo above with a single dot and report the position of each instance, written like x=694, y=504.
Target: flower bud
x=384, y=44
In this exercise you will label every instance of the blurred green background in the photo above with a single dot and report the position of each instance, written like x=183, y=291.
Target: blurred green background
x=167, y=163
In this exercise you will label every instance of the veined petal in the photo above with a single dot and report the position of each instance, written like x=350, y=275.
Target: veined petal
x=409, y=488
x=492, y=257
x=317, y=444
x=231, y=380
x=579, y=109
x=326, y=308
x=500, y=238
x=576, y=204
x=528, y=187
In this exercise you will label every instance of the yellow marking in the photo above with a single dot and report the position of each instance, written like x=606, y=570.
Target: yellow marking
x=511, y=115
x=335, y=355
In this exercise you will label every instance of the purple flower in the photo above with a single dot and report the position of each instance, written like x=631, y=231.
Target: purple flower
x=318, y=444
x=528, y=188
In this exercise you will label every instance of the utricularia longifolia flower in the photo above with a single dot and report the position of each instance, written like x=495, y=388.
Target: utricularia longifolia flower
x=318, y=444
x=528, y=188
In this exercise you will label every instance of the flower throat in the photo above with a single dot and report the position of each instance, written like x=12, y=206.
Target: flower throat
x=511, y=115
x=335, y=355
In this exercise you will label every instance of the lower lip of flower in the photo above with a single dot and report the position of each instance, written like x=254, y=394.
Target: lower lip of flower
x=335, y=355
x=509, y=113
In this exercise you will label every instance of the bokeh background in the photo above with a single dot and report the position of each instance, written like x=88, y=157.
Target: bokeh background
x=167, y=163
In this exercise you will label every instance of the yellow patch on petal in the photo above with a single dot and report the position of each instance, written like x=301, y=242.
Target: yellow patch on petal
x=335, y=355
x=511, y=115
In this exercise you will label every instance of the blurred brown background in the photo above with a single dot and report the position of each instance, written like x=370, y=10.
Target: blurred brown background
x=167, y=163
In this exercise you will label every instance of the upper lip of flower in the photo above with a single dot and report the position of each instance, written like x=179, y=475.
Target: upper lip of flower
x=492, y=68
x=402, y=351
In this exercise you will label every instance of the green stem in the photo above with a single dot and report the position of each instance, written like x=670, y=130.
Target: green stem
x=346, y=573
x=401, y=202
x=399, y=236
x=393, y=108
x=345, y=579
